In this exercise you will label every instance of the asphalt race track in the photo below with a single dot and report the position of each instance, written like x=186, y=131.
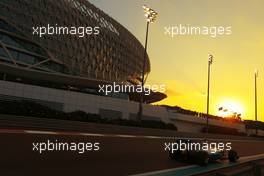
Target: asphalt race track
x=118, y=154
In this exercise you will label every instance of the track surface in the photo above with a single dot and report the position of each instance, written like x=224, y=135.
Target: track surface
x=118, y=154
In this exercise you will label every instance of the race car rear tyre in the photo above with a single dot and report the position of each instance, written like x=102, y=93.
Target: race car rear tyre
x=232, y=156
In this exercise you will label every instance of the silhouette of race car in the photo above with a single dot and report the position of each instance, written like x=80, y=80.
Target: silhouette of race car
x=201, y=157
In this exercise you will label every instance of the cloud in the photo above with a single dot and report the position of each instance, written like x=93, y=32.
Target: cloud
x=172, y=92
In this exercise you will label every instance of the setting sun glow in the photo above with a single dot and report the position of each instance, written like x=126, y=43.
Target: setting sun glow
x=230, y=109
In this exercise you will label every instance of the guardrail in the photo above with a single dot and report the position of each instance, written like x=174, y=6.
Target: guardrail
x=11, y=121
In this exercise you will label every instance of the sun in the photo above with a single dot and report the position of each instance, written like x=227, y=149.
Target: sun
x=230, y=109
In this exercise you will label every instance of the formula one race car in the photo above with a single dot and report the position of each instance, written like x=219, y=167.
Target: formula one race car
x=199, y=156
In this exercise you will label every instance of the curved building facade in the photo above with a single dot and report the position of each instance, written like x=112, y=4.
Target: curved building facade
x=113, y=55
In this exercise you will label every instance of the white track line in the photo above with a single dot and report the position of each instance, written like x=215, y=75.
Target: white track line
x=91, y=134
x=125, y=136
x=248, y=158
x=119, y=135
x=153, y=137
x=40, y=132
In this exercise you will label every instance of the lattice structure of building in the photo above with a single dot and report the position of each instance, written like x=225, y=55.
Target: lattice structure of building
x=113, y=55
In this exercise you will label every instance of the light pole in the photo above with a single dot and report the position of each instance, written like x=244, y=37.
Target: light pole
x=151, y=16
x=256, y=100
x=210, y=61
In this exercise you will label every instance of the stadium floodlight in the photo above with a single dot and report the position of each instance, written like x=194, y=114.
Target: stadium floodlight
x=256, y=74
x=210, y=62
x=210, y=58
x=150, y=14
x=151, y=18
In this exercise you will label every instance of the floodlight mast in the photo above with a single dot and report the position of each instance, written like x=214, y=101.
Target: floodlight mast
x=151, y=16
x=256, y=74
x=210, y=62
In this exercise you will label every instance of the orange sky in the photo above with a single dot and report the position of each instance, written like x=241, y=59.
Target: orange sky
x=181, y=62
